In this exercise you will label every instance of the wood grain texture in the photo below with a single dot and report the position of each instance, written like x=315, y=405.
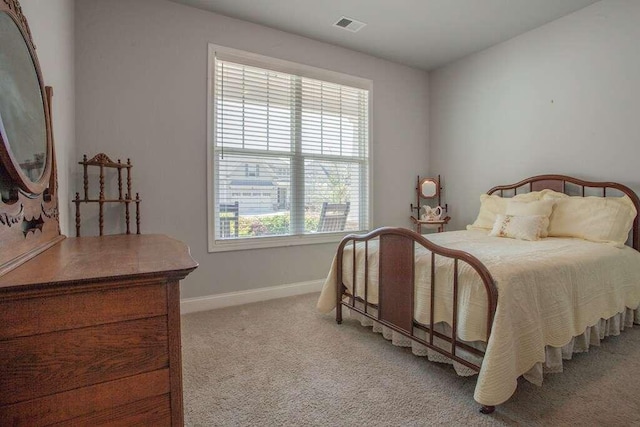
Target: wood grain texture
x=175, y=352
x=154, y=411
x=396, y=279
x=84, y=401
x=31, y=316
x=18, y=247
x=548, y=185
x=40, y=365
x=104, y=258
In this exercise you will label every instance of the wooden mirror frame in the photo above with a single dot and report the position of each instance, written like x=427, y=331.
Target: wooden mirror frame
x=436, y=185
x=12, y=166
x=29, y=222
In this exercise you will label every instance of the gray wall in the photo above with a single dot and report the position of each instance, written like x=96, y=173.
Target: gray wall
x=142, y=93
x=52, y=27
x=563, y=98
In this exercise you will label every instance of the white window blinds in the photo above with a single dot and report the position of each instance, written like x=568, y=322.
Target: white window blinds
x=290, y=154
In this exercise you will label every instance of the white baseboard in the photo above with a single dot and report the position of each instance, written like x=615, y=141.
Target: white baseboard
x=211, y=302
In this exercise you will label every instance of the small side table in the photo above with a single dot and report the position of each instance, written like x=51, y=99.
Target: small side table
x=435, y=225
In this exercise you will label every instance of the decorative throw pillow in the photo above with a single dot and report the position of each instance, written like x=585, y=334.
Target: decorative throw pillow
x=598, y=219
x=538, y=207
x=492, y=205
x=527, y=227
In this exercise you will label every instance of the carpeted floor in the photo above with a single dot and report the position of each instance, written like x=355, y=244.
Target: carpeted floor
x=280, y=363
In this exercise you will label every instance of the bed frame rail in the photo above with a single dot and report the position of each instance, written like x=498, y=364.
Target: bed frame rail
x=396, y=282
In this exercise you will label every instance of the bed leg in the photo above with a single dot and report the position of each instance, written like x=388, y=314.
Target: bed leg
x=487, y=409
x=339, y=313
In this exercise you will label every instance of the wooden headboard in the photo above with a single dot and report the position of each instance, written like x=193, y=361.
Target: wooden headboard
x=574, y=187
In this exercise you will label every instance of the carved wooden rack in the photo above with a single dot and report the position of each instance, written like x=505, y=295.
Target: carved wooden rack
x=103, y=161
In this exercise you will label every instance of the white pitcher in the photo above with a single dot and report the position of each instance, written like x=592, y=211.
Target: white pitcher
x=431, y=214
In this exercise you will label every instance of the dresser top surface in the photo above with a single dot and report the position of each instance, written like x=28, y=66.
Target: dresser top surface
x=84, y=259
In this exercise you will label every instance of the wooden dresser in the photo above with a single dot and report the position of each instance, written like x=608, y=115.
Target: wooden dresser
x=90, y=333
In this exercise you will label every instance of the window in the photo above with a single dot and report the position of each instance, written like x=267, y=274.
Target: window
x=285, y=139
x=253, y=170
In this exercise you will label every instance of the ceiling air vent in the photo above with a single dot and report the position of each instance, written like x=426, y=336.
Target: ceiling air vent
x=349, y=24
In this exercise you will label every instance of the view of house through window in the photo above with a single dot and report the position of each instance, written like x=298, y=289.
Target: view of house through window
x=290, y=154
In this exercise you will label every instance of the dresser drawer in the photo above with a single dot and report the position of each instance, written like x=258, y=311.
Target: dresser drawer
x=45, y=364
x=88, y=405
x=33, y=314
x=154, y=411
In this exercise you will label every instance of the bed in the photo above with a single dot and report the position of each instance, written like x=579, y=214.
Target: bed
x=497, y=306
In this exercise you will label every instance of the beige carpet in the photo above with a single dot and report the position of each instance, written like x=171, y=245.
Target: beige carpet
x=280, y=363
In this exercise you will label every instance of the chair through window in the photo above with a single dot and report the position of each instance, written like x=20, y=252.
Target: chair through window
x=229, y=213
x=333, y=216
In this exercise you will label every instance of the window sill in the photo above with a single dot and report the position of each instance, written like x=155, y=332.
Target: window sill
x=275, y=242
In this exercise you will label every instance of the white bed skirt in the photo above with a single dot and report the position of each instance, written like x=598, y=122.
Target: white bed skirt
x=554, y=355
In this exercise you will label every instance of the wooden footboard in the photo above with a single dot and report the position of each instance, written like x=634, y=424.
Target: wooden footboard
x=396, y=289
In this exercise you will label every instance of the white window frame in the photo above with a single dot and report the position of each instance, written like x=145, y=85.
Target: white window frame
x=291, y=68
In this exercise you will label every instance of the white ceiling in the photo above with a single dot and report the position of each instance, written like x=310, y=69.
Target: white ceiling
x=421, y=33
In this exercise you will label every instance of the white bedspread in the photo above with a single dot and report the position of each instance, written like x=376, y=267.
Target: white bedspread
x=549, y=291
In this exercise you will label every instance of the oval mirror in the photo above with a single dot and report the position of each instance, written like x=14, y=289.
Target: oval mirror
x=429, y=188
x=23, y=122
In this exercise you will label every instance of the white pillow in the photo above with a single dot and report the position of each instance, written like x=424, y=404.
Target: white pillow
x=526, y=227
x=492, y=205
x=550, y=194
x=598, y=219
x=538, y=207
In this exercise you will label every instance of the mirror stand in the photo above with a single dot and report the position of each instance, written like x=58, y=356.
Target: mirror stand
x=428, y=189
